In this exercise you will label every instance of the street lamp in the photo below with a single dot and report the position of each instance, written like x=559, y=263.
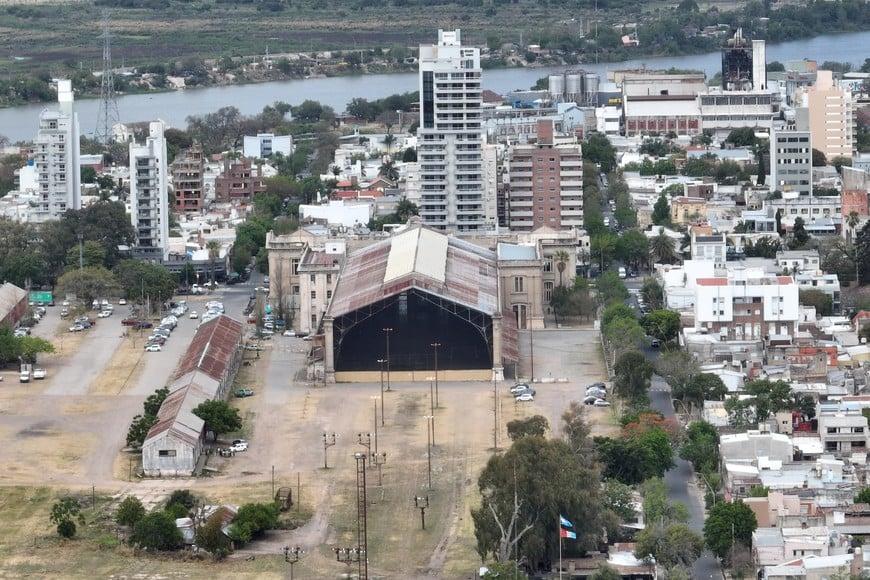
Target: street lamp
x=291, y=556
x=435, y=345
x=387, y=331
x=494, y=410
x=381, y=362
x=365, y=439
x=421, y=503
x=328, y=441
x=429, y=448
x=379, y=459
x=375, y=402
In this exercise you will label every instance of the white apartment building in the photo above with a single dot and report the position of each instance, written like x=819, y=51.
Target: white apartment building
x=56, y=156
x=722, y=111
x=264, y=145
x=149, y=195
x=747, y=304
x=791, y=162
x=450, y=149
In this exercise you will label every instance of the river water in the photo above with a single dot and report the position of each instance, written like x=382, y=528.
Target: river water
x=21, y=123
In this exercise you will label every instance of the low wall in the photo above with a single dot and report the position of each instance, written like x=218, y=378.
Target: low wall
x=413, y=376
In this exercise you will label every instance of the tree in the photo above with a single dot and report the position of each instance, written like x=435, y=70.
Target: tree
x=822, y=302
x=605, y=572
x=561, y=259
x=635, y=459
x=799, y=235
x=211, y=538
x=742, y=137
x=657, y=508
x=633, y=374
x=677, y=367
x=388, y=169
x=662, y=247
x=182, y=497
x=701, y=447
x=676, y=544
x=863, y=495
x=92, y=254
x=819, y=159
x=219, y=417
x=130, y=511
x=702, y=387
x=214, y=252
x=144, y=280
x=727, y=521
x=534, y=425
x=30, y=346
x=64, y=514
x=624, y=335
x=611, y=288
x=252, y=520
x=661, y=215
x=156, y=531
x=501, y=570
x=597, y=149
x=632, y=247
x=652, y=293
x=87, y=284
x=523, y=492
x=661, y=324
x=615, y=311
x=617, y=497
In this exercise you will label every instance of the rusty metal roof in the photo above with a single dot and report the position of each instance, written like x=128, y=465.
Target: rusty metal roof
x=418, y=258
x=212, y=348
x=175, y=417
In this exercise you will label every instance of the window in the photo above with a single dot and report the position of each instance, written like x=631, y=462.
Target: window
x=548, y=264
x=314, y=294
x=312, y=278
x=313, y=322
x=328, y=294
x=548, y=291
x=166, y=453
x=329, y=278
x=519, y=283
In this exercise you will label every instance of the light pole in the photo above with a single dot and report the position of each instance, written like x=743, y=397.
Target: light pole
x=494, y=411
x=421, y=503
x=381, y=362
x=387, y=331
x=365, y=439
x=291, y=556
x=375, y=401
x=435, y=345
x=379, y=459
x=81, y=267
x=429, y=448
x=431, y=408
x=328, y=441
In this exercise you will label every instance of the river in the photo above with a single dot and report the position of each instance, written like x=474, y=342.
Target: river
x=21, y=123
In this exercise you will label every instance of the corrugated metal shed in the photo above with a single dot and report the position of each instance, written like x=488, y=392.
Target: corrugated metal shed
x=212, y=348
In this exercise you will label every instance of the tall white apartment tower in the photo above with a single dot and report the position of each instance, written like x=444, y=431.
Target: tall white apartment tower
x=56, y=157
x=450, y=149
x=149, y=195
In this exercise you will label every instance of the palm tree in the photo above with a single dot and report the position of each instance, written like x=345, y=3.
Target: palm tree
x=561, y=258
x=662, y=247
x=214, y=252
x=389, y=140
x=852, y=221
x=388, y=170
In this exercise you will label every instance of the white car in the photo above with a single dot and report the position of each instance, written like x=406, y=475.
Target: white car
x=525, y=397
x=76, y=327
x=194, y=314
x=104, y=314
x=65, y=303
x=601, y=403
x=122, y=301
x=238, y=447
x=289, y=333
x=153, y=348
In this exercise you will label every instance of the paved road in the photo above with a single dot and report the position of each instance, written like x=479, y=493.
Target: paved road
x=679, y=484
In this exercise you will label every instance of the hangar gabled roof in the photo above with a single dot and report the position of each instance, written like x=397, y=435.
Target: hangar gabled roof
x=212, y=348
x=418, y=258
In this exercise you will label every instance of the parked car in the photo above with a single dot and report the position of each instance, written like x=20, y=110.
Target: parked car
x=238, y=447
x=241, y=393
x=253, y=347
x=601, y=403
x=519, y=387
x=77, y=327
x=194, y=314
x=289, y=332
x=39, y=373
x=143, y=324
x=104, y=314
x=153, y=348
x=590, y=400
x=525, y=397
x=24, y=377
x=122, y=301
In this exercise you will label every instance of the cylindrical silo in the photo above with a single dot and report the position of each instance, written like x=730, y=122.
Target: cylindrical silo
x=590, y=87
x=574, y=85
x=557, y=87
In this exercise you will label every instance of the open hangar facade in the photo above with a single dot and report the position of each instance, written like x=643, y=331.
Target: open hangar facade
x=426, y=288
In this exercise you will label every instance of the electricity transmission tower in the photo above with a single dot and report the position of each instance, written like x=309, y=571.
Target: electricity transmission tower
x=107, y=116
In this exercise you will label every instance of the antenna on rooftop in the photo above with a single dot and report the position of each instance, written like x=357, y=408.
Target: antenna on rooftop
x=107, y=116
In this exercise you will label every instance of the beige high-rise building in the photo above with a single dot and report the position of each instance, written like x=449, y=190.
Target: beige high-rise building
x=831, y=116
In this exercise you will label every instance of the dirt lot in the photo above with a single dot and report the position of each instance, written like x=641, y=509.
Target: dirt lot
x=60, y=444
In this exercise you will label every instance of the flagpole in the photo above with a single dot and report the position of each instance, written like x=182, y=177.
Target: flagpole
x=560, y=546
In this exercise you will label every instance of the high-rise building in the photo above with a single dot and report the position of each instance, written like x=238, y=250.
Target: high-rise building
x=56, y=157
x=149, y=195
x=546, y=182
x=791, y=161
x=831, y=115
x=450, y=150
x=187, y=180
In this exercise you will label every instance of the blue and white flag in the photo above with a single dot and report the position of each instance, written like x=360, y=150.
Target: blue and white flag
x=564, y=522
